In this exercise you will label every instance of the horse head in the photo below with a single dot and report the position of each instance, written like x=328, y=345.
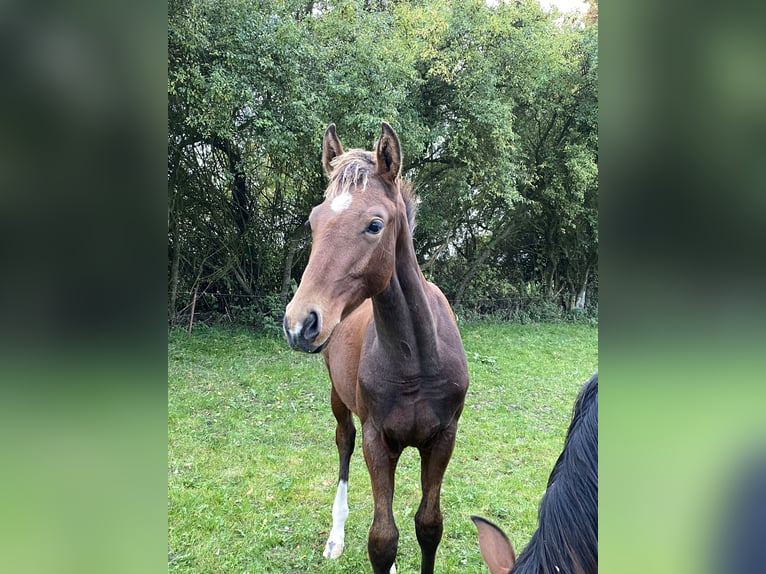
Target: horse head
x=354, y=232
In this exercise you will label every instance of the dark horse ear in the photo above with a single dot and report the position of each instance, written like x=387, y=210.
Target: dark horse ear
x=331, y=148
x=388, y=154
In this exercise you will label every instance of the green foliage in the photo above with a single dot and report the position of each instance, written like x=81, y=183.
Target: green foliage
x=525, y=310
x=496, y=107
x=252, y=463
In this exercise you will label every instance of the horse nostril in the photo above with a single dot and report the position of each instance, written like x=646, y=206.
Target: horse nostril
x=311, y=326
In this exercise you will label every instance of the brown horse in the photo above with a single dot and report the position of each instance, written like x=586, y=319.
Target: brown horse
x=389, y=337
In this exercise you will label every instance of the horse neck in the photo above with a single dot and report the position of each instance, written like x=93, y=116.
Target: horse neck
x=404, y=321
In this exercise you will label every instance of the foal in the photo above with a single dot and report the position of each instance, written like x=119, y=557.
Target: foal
x=566, y=540
x=389, y=339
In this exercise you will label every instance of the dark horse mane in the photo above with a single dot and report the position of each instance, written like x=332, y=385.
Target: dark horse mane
x=353, y=168
x=566, y=539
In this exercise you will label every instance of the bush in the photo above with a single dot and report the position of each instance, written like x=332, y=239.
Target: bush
x=264, y=314
x=525, y=310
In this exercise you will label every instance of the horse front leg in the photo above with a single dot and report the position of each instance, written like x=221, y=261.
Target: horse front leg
x=383, y=539
x=428, y=519
x=345, y=436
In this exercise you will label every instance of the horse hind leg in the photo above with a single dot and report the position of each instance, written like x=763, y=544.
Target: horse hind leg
x=345, y=436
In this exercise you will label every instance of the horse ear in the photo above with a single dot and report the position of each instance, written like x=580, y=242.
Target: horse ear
x=331, y=148
x=495, y=547
x=388, y=153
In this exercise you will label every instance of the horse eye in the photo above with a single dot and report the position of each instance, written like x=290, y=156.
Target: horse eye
x=375, y=227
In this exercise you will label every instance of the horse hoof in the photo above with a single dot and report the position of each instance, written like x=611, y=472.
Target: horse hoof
x=333, y=549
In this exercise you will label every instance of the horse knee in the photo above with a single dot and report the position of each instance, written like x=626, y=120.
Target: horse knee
x=429, y=527
x=382, y=545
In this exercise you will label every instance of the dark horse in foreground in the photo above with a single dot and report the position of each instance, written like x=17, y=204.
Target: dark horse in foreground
x=389, y=338
x=566, y=540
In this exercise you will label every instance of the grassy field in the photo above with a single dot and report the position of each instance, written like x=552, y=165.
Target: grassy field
x=252, y=464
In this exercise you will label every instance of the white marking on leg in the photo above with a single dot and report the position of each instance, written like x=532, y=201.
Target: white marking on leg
x=341, y=202
x=393, y=568
x=334, y=546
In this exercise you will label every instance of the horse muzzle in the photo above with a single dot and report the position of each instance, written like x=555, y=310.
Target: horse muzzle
x=302, y=335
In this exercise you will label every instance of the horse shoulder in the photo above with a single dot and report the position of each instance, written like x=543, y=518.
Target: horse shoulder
x=343, y=353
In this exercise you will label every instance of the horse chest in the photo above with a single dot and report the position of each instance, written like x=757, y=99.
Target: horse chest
x=408, y=413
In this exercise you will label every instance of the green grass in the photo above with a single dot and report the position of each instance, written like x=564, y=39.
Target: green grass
x=252, y=463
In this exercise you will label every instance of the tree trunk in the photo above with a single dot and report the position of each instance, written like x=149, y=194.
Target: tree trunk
x=174, y=265
x=292, y=249
x=243, y=283
x=478, y=262
x=580, y=303
x=549, y=279
x=427, y=265
x=193, y=305
x=239, y=193
x=175, y=206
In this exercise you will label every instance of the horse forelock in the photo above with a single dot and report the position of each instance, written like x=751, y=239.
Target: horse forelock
x=352, y=170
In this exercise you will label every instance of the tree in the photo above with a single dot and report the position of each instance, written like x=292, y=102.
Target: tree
x=496, y=106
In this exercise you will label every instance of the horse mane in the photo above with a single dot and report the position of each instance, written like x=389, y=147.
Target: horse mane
x=353, y=168
x=566, y=539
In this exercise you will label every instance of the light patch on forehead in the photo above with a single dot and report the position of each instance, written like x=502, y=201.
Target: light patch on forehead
x=341, y=202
